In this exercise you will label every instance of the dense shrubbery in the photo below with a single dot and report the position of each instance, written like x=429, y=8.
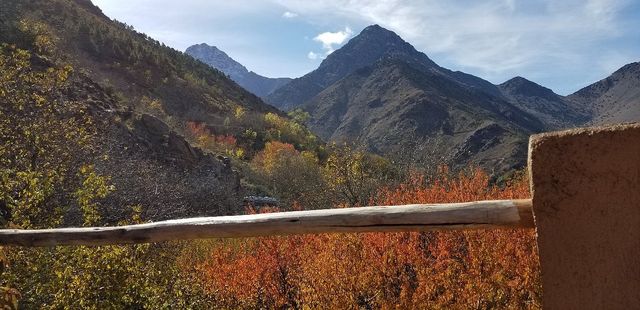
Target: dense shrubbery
x=462, y=270
x=469, y=269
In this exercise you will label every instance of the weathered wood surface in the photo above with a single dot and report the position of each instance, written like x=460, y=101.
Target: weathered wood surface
x=418, y=217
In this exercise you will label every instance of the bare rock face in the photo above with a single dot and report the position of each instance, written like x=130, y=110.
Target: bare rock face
x=382, y=94
x=379, y=92
x=371, y=45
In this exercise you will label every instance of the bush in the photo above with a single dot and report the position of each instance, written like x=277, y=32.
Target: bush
x=457, y=269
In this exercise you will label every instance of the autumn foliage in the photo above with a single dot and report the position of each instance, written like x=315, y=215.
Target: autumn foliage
x=454, y=269
x=223, y=143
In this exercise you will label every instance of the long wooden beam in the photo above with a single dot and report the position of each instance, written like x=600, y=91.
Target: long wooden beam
x=417, y=217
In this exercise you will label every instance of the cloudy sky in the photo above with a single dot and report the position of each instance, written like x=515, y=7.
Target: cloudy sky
x=563, y=45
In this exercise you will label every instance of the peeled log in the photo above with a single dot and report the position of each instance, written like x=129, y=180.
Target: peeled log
x=418, y=217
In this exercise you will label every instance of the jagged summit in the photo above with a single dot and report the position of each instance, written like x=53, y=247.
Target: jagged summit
x=374, y=27
x=377, y=32
x=631, y=67
x=372, y=44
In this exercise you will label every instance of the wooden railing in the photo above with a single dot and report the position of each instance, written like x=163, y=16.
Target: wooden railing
x=418, y=217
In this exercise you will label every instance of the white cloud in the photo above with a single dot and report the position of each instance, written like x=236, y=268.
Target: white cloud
x=493, y=38
x=330, y=39
x=313, y=56
x=289, y=14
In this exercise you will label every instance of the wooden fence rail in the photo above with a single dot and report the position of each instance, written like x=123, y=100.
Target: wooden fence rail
x=417, y=217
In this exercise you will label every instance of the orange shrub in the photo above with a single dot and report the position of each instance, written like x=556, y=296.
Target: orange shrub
x=224, y=143
x=273, y=154
x=454, y=269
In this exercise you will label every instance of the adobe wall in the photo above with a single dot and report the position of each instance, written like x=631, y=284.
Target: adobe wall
x=586, y=204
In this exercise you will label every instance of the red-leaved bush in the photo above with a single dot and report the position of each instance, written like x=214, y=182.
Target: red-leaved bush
x=451, y=269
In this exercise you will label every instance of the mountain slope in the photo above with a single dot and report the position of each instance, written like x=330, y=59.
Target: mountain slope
x=373, y=43
x=381, y=93
x=141, y=95
x=251, y=81
x=392, y=108
x=614, y=99
x=555, y=111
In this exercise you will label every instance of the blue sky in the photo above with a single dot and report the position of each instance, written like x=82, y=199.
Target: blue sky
x=563, y=45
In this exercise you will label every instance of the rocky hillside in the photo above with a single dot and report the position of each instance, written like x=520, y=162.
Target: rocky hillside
x=251, y=81
x=555, y=111
x=379, y=92
x=394, y=109
x=614, y=99
x=140, y=95
x=372, y=44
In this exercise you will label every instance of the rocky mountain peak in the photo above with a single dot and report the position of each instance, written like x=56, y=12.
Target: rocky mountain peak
x=519, y=86
x=373, y=43
x=218, y=59
x=368, y=47
x=251, y=81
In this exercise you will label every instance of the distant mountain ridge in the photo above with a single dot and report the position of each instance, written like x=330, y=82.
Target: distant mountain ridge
x=395, y=100
x=251, y=81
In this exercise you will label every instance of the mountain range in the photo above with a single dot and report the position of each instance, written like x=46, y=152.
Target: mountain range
x=251, y=81
x=379, y=92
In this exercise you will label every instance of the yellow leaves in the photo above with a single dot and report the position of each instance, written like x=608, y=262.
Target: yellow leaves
x=310, y=157
x=93, y=187
x=274, y=154
x=203, y=140
x=154, y=105
x=239, y=112
x=299, y=116
x=274, y=120
x=353, y=174
x=41, y=37
x=35, y=188
x=289, y=131
x=250, y=134
x=9, y=298
x=239, y=153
